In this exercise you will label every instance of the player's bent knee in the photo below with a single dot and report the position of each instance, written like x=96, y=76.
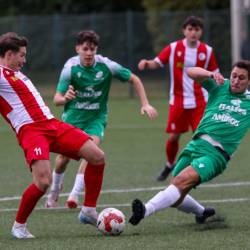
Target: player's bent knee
x=184, y=183
x=174, y=137
x=63, y=159
x=92, y=153
x=97, y=158
x=43, y=183
x=180, y=182
x=43, y=180
x=42, y=174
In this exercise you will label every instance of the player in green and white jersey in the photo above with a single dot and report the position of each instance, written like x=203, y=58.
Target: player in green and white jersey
x=83, y=89
x=225, y=122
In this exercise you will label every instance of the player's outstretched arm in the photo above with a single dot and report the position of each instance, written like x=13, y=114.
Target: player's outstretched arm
x=148, y=64
x=199, y=75
x=145, y=106
x=62, y=99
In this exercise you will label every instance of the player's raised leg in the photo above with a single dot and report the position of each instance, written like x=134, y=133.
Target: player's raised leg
x=175, y=195
x=96, y=130
x=93, y=181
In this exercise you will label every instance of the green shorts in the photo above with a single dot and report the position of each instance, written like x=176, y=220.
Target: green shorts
x=207, y=161
x=95, y=127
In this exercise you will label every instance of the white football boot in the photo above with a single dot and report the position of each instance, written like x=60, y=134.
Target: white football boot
x=20, y=231
x=88, y=216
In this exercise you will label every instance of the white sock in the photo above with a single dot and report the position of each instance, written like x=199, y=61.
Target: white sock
x=190, y=205
x=78, y=185
x=17, y=224
x=57, y=180
x=88, y=209
x=169, y=165
x=163, y=199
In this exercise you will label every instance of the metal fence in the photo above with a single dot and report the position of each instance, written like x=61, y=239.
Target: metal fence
x=125, y=37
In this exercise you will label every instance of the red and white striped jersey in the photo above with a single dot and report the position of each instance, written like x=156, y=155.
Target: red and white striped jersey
x=20, y=102
x=185, y=92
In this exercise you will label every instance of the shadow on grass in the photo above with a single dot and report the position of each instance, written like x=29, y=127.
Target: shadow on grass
x=214, y=223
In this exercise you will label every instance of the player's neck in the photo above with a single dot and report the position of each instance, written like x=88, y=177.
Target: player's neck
x=5, y=64
x=87, y=64
x=192, y=44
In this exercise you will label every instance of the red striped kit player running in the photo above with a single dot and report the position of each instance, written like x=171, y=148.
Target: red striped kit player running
x=187, y=99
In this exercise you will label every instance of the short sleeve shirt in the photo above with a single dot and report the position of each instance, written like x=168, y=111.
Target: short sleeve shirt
x=92, y=86
x=227, y=115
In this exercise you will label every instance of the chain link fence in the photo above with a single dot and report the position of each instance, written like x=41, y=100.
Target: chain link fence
x=125, y=37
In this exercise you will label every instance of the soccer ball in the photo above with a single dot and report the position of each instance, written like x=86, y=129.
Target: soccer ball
x=111, y=221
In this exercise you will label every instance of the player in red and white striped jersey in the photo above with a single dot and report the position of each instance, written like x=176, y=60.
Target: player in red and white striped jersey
x=187, y=98
x=39, y=133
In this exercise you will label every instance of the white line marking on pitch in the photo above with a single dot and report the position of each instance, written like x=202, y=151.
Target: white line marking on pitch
x=230, y=200
x=132, y=190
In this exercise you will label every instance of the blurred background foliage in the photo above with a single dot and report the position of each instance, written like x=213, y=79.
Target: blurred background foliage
x=130, y=30
x=33, y=7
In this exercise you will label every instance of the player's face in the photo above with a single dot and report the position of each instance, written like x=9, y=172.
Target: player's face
x=239, y=80
x=16, y=60
x=87, y=52
x=192, y=34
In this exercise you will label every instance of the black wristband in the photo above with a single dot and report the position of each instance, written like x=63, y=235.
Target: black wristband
x=211, y=76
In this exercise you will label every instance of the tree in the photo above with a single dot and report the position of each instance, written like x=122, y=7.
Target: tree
x=160, y=21
x=154, y=5
x=35, y=7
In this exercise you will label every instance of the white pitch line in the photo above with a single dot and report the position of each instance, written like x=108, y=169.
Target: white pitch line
x=144, y=189
x=230, y=200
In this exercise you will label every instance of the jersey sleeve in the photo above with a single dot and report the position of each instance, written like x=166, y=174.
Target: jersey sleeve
x=163, y=56
x=64, y=79
x=118, y=71
x=121, y=73
x=212, y=64
x=209, y=84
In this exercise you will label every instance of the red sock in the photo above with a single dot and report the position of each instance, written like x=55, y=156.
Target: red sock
x=93, y=177
x=29, y=199
x=171, y=150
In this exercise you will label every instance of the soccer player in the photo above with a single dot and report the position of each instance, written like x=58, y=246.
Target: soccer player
x=187, y=98
x=39, y=133
x=83, y=89
x=225, y=122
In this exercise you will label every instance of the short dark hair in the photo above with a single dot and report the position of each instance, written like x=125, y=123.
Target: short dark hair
x=11, y=41
x=243, y=64
x=194, y=21
x=89, y=36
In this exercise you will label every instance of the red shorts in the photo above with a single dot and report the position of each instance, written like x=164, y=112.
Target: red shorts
x=179, y=119
x=39, y=139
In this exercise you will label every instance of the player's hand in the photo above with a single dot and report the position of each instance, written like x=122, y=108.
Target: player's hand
x=150, y=110
x=70, y=94
x=142, y=64
x=219, y=78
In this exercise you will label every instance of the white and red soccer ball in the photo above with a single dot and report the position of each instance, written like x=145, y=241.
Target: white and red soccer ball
x=111, y=221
